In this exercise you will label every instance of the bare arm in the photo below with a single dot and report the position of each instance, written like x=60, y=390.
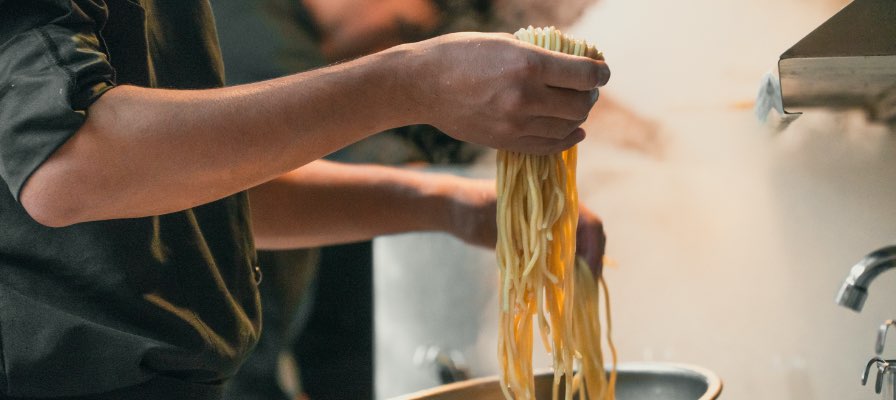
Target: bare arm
x=325, y=203
x=150, y=151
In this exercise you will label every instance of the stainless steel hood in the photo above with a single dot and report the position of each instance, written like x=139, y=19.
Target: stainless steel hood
x=847, y=62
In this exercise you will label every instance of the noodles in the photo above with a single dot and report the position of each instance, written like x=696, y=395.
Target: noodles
x=540, y=274
x=587, y=333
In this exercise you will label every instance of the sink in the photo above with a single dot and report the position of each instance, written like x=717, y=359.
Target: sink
x=636, y=381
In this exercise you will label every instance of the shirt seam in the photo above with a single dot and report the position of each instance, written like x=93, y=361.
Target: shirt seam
x=56, y=57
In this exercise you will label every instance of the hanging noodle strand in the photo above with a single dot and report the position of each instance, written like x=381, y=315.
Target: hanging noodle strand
x=542, y=281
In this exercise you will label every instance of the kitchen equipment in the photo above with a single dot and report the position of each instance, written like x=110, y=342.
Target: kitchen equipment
x=881, y=365
x=852, y=295
x=636, y=381
x=889, y=385
x=854, y=291
x=882, y=336
x=847, y=62
x=885, y=379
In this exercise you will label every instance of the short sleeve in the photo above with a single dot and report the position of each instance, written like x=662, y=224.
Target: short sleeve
x=52, y=67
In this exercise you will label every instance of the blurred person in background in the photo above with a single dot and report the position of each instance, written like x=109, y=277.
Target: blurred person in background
x=318, y=316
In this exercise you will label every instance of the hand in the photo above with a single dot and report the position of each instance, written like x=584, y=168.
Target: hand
x=591, y=241
x=495, y=90
x=473, y=213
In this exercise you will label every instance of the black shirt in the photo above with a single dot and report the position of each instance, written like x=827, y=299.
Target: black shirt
x=166, y=302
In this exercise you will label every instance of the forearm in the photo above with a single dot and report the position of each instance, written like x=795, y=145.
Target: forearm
x=327, y=203
x=149, y=151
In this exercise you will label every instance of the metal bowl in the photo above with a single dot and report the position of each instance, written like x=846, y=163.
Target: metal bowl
x=637, y=381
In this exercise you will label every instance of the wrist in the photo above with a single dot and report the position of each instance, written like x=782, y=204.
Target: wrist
x=438, y=194
x=467, y=209
x=410, y=66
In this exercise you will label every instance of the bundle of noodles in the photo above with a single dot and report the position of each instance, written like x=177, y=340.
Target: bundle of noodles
x=540, y=274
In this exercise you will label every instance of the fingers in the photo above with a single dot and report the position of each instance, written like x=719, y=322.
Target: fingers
x=568, y=71
x=573, y=72
x=542, y=145
x=510, y=95
x=549, y=127
x=568, y=104
x=591, y=241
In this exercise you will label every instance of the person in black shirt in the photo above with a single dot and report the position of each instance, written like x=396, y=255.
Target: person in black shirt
x=138, y=188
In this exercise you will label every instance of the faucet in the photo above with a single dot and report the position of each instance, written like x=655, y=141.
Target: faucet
x=854, y=291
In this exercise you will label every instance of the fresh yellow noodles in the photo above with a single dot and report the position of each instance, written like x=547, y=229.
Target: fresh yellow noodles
x=541, y=277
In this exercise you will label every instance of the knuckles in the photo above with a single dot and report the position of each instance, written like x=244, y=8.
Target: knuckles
x=523, y=65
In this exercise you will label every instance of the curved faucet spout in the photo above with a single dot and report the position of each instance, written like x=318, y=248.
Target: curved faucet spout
x=854, y=291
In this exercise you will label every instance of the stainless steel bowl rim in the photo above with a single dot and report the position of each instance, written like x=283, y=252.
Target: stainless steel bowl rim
x=712, y=380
